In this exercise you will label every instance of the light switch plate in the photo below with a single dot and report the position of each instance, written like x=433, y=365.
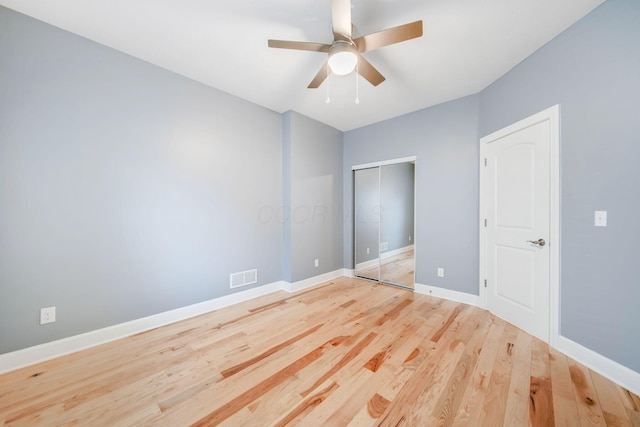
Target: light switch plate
x=600, y=219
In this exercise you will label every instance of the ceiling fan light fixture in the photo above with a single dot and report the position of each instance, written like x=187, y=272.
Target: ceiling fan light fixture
x=345, y=52
x=342, y=58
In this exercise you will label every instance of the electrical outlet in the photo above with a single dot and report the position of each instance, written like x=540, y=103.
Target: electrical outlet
x=367, y=251
x=601, y=219
x=409, y=238
x=47, y=315
x=317, y=263
x=440, y=272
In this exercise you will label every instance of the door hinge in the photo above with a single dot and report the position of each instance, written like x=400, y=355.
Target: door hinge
x=485, y=283
x=485, y=161
x=485, y=222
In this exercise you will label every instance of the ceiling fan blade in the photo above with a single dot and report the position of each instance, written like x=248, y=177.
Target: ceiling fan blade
x=369, y=72
x=320, y=77
x=286, y=44
x=341, y=19
x=389, y=36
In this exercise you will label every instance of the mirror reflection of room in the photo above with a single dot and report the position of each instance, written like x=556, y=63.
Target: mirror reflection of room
x=384, y=223
x=367, y=222
x=396, y=224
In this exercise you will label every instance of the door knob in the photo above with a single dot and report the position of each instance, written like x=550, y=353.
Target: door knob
x=539, y=242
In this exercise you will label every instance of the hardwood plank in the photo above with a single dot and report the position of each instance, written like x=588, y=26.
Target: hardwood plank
x=589, y=411
x=418, y=396
x=564, y=397
x=631, y=403
x=348, y=357
x=436, y=337
x=541, y=409
x=410, y=354
x=517, y=410
x=613, y=409
x=493, y=411
x=342, y=405
x=347, y=352
x=308, y=404
x=451, y=397
x=359, y=386
x=473, y=398
x=229, y=408
x=239, y=367
x=329, y=337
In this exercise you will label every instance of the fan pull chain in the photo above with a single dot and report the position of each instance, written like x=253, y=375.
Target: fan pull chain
x=357, y=82
x=328, y=100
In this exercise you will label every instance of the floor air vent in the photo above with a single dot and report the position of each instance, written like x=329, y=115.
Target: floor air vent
x=244, y=278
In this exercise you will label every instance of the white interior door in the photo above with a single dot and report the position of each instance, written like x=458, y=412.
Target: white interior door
x=516, y=193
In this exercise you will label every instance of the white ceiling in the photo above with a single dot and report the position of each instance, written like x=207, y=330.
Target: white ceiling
x=467, y=45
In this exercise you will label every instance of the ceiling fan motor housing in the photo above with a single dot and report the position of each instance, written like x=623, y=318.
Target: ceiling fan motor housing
x=343, y=57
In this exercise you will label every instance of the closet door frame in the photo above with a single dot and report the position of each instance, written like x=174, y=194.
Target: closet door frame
x=379, y=164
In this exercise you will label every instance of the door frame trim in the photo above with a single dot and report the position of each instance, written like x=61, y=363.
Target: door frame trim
x=409, y=159
x=552, y=115
x=385, y=162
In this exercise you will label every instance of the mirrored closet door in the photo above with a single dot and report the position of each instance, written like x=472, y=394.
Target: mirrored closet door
x=384, y=223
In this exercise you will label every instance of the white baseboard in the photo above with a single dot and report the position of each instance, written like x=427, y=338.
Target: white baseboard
x=313, y=281
x=383, y=255
x=435, y=291
x=40, y=353
x=395, y=252
x=368, y=264
x=617, y=373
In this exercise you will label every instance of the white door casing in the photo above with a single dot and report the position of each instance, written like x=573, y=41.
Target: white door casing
x=519, y=204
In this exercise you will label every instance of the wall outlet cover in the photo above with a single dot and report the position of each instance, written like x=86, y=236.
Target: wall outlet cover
x=600, y=219
x=47, y=315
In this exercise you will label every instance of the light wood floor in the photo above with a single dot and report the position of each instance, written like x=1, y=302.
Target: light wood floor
x=346, y=353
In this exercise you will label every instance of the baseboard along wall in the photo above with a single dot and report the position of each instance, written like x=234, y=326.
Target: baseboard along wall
x=614, y=371
x=47, y=351
x=456, y=296
x=621, y=375
x=51, y=350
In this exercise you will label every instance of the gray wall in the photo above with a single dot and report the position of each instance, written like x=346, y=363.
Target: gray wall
x=282, y=214
x=125, y=190
x=445, y=140
x=396, y=200
x=314, y=198
x=593, y=71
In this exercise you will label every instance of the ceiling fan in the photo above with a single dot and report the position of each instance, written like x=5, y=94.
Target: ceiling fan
x=345, y=51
